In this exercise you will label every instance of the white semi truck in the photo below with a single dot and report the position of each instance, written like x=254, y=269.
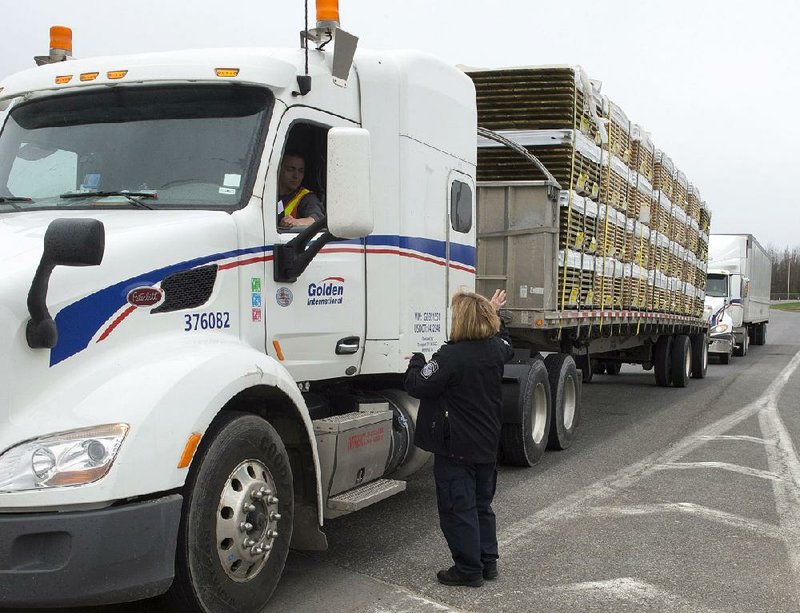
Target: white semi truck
x=737, y=294
x=187, y=389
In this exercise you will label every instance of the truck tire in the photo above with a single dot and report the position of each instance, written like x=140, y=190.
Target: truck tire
x=613, y=368
x=565, y=400
x=760, y=334
x=662, y=360
x=741, y=350
x=681, y=360
x=599, y=367
x=586, y=366
x=240, y=476
x=699, y=356
x=523, y=444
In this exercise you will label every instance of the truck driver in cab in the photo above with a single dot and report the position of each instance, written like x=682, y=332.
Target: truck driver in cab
x=297, y=206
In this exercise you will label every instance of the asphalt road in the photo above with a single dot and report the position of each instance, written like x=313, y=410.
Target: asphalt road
x=669, y=500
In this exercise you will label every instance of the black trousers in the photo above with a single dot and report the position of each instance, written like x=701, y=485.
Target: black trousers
x=464, y=493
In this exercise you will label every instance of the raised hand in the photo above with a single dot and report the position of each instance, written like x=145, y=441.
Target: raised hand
x=498, y=301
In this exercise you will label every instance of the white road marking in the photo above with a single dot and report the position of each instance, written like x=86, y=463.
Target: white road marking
x=736, y=521
x=644, y=596
x=738, y=437
x=574, y=504
x=784, y=473
x=736, y=468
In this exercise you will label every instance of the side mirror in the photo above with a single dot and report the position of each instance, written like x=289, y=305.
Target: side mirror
x=348, y=201
x=67, y=242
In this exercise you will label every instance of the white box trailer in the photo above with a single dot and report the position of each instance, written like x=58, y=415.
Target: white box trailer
x=738, y=293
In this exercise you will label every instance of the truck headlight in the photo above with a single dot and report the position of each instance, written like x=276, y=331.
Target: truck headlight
x=720, y=329
x=67, y=458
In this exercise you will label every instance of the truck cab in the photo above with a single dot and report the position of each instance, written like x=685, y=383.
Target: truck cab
x=188, y=388
x=724, y=312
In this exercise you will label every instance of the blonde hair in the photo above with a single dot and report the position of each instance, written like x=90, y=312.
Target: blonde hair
x=473, y=319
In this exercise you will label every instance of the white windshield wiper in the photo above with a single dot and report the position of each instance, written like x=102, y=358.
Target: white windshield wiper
x=133, y=197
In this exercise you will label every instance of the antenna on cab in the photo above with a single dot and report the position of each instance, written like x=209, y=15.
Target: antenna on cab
x=328, y=31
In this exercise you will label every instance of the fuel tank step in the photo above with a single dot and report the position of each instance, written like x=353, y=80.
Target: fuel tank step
x=364, y=495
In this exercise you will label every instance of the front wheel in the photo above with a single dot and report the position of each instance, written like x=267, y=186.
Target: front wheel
x=237, y=519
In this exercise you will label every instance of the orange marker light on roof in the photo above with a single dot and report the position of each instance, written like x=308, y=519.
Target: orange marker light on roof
x=89, y=76
x=64, y=78
x=116, y=74
x=327, y=11
x=61, y=39
x=226, y=72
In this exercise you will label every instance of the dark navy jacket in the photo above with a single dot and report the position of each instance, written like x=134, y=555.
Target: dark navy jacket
x=460, y=398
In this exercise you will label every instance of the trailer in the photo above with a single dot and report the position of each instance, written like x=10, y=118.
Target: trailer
x=518, y=230
x=738, y=294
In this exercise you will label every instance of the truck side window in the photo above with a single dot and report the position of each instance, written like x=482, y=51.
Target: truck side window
x=461, y=207
x=301, y=177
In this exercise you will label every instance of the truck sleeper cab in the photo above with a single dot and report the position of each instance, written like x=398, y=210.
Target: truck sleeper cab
x=220, y=382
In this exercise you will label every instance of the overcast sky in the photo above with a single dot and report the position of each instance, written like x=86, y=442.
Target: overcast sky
x=715, y=82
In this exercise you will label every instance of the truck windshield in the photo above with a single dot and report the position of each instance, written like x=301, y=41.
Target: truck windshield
x=717, y=286
x=174, y=146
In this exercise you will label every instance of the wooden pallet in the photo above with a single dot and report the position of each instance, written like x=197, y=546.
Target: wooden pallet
x=643, y=153
x=663, y=173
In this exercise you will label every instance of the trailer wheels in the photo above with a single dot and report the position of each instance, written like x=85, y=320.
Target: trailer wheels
x=681, y=360
x=523, y=444
x=237, y=519
x=760, y=334
x=613, y=368
x=587, y=367
x=565, y=400
x=699, y=356
x=662, y=360
x=741, y=350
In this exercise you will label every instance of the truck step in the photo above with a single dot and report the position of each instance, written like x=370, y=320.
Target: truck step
x=365, y=495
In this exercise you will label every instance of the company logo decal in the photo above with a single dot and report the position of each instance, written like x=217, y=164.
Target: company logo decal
x=145, y=296
x=328, y=291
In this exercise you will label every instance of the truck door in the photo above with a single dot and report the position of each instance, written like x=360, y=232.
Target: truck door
x=315, y=326
x=460, y=235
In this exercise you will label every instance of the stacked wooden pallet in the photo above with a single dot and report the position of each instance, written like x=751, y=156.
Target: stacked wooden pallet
x=633, y=233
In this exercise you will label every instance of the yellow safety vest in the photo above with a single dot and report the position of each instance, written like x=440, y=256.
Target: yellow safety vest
x=292, y=204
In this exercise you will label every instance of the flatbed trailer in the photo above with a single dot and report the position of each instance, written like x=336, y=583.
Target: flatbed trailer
x=518, y=250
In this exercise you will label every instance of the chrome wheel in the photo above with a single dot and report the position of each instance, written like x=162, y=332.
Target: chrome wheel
x=247, y=520
x=570, y=400
x=539, y=427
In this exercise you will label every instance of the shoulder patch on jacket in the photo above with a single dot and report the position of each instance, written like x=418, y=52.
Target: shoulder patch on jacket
x=429, y=368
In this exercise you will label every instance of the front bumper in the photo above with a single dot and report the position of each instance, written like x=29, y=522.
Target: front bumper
x=721, y=343
x=111, y=555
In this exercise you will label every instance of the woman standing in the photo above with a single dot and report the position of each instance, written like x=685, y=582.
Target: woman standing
x=459, y=421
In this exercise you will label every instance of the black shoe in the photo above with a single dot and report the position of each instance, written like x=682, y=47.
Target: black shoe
x=452, y=577
x=490, y=572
